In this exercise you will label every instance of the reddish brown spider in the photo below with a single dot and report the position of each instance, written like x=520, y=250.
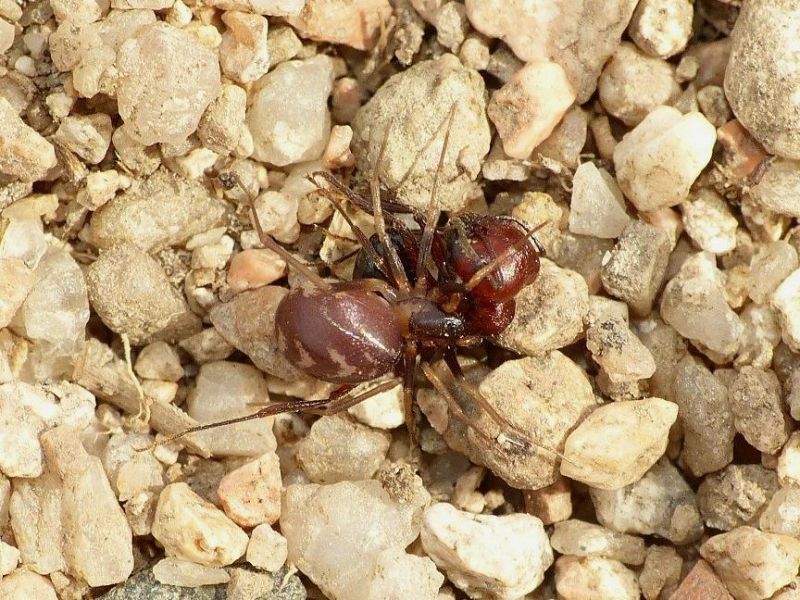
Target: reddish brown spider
x=416, y=296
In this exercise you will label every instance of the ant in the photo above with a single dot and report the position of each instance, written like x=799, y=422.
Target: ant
x=416, y=296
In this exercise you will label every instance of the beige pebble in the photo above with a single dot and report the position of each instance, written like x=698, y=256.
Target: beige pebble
x=251, y=494
x=355, y=23
x=244, y=54
x=192, y=529
x=251, y=269
x=267, y=549
x=527, y=109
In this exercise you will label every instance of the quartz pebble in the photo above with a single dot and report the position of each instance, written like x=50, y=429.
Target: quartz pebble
x=24, y=154
x=656, y=165
x=466, y=547
x=172, y=571
x=337, y=449
x=549, y=312
x=617, y=443
x=87, y=136
x=131, y=293
x=619, y=353
x=773, y=190
x=282, y=45
x=782, y=513
x=251, y=494
x=709, y=222
x=130, y=470
x=438, y=85
x=597, y=207
x=661, y=572
x=159, y=360
x=537, y=32
x=634, y=269
x=167, y=78
x=267, y=548
x=221, y=125
x=565, y=144
x=275, y=8
x=96, y=538
x=194, y=530
x=596, y=578
x=579, y=538
x=760, y=87
x=633, y=84
x=244, y=53
x=789, y=461
x=26, y=584
x=158, y=211
x=225, y=390
x=54, y=315
x=694, y=304
x=288, y=112
x=661, y=27
x=752, y=564
x=735, y=496
x=355, y=23
x=399, y=574
x=785, y=301
x=758, y=409
x=360, y=519
x=16, y=281
x=660, y=503
x=706, y=416
x=381, y=411
x=773, y=262
x=523, y=116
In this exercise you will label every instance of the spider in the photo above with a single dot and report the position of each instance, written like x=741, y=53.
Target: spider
x=416, y=297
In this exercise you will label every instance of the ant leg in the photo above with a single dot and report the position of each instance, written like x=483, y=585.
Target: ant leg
x=351, y=399
x=298, y=265
x=432, y=213
x=396, y=266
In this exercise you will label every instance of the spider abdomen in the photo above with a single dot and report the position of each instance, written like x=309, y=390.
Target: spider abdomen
x=343, y=335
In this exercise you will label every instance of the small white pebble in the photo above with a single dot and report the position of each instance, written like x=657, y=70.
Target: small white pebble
x=25, y=65
x=267, y=549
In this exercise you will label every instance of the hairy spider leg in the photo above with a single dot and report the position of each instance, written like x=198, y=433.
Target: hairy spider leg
x=265, y=239
x=392, y=257
x=436, y=375
x=327, y=406
x=410, y=389
x=432, y=214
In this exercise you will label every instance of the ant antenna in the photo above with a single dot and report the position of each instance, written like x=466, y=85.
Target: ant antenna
x=432, y=212
x=299, y=266
x=486, y=270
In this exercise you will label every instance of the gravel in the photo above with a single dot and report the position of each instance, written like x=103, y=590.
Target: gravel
x=632, y=433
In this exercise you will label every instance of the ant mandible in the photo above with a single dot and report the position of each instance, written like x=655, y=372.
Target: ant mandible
x=416, y=295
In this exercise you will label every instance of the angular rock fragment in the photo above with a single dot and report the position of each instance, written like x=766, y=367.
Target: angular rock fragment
x=24, y=154
x=464, y=545
x=131, y=293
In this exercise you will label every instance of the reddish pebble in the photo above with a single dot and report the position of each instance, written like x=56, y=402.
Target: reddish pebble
x=528, y=108
x=701, y=584
x=742, y=152
x=251, y=269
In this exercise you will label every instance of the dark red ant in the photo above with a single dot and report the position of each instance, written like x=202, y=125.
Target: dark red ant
x=415, y=295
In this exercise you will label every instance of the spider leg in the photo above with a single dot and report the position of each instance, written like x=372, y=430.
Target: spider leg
x=392, y=257
x=298, y=265
x=326, y=406
x=410, y=390
x=432, y=212
x=357, y=231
